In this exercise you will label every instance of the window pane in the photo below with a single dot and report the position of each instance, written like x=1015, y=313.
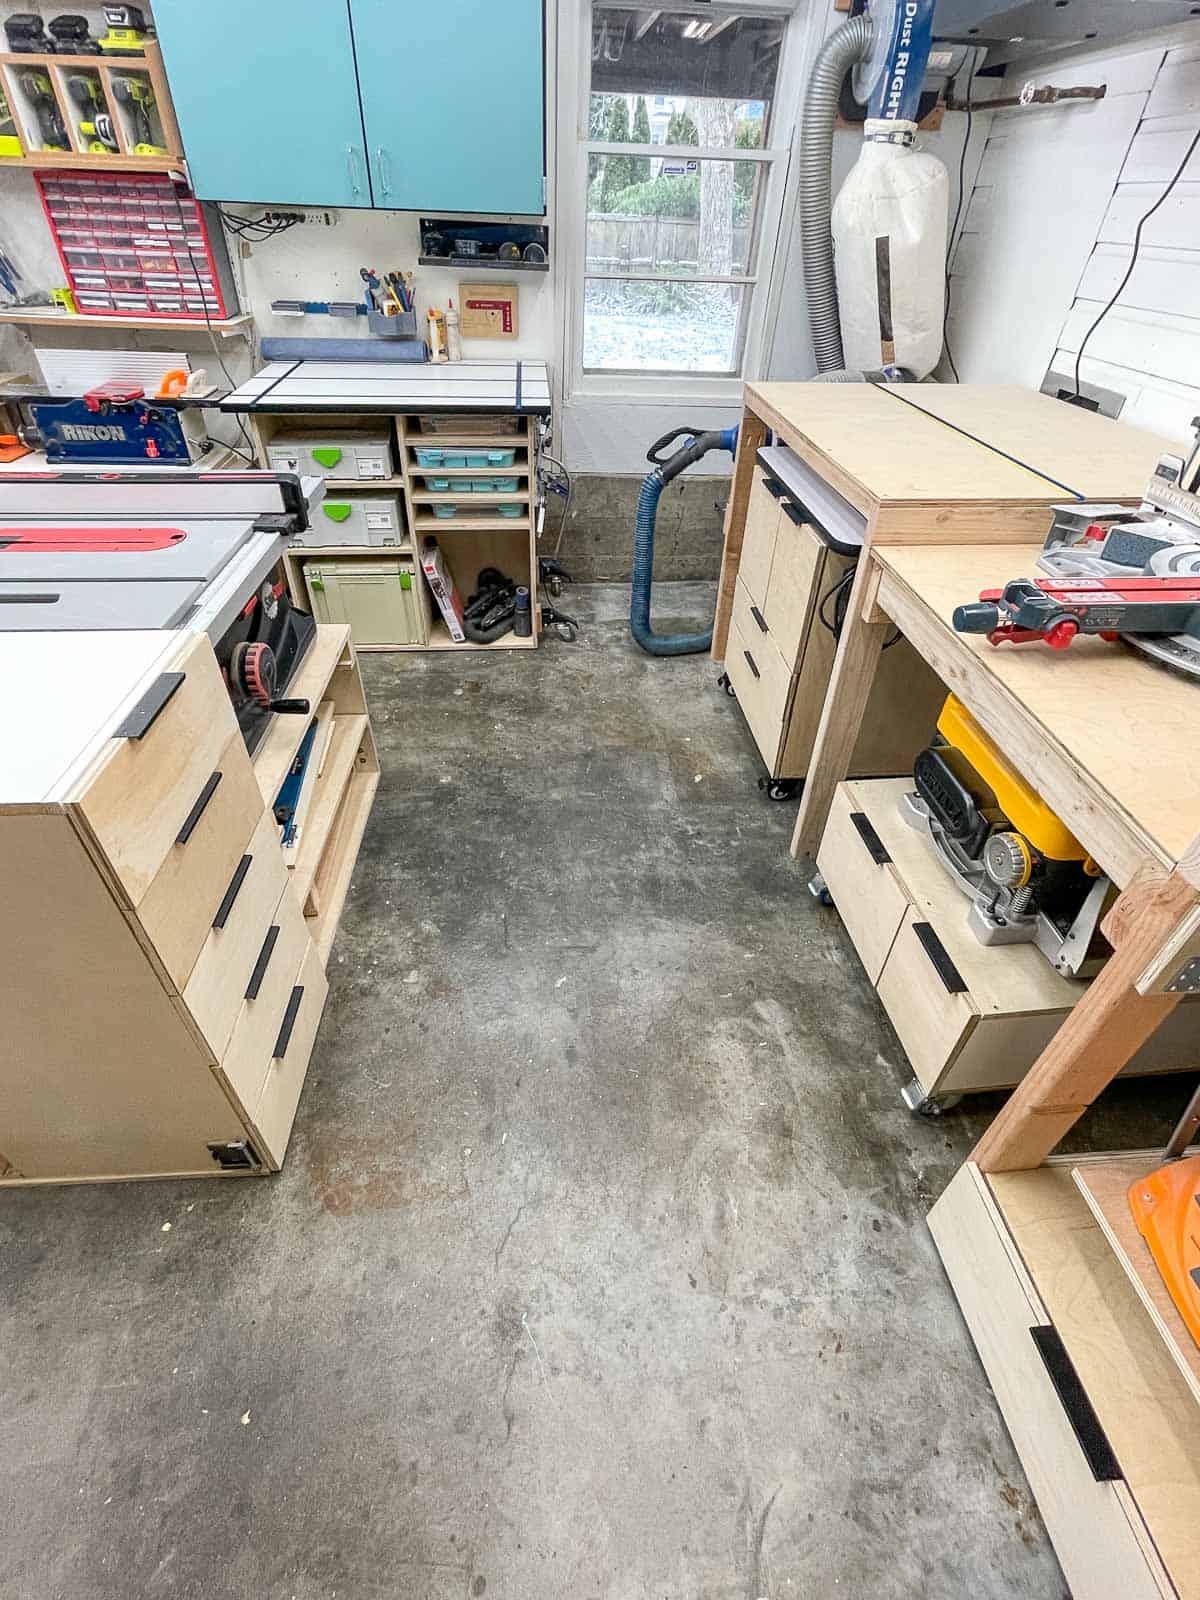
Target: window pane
x=710, y=73
x=648, y=214
x=662, y=327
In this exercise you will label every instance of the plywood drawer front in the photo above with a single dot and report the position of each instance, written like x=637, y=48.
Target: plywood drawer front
x=758, y=539
x=216, y=988
x=865, y=890
x=920, y=993
x=792, y=591
x=138, y=796
x=178, y=907
x=276, y=1110
x=759, y=676
x=247, y=1059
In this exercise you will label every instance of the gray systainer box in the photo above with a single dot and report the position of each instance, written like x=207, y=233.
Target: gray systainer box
x=362, y=519
x=381, y=600
x=364, y=454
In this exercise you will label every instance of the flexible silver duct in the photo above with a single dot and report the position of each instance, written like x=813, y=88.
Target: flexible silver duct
x=837, y=55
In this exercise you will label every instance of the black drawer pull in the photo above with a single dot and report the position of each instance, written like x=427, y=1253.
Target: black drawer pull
x=48, y=599
x=797, y=514
x=289, y=1022
x=1093, y=1440
x=940, y=956
x=876, y=848
x=260, y=966
x=149, y=706
x=773, y=487
x=750, y=663
x=231, y=894
x=759, y=618
x=197, y=811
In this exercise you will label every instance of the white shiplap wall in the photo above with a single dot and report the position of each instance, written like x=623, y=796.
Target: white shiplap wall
x=1049, y=233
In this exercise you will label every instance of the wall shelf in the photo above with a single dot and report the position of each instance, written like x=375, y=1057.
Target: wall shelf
x=34, y=318
x=482, y=264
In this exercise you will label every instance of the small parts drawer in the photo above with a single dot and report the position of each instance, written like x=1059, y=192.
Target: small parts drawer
x=760, y=677
x=856, y=866
x=236, y=938
x=276, y=1110
x=926, y=998
x=138, y=794
x=264, y=995
x=758, y=538
x=178, y=908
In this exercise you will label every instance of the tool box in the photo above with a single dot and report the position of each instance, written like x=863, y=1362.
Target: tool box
x=381, y=600
x=365, y=454
x=373, y=519
x=138, y=243
x=465, y=458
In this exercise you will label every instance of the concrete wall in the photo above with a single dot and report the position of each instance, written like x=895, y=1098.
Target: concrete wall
x=597, y=540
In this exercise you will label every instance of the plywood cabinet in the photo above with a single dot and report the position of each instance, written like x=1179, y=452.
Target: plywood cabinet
x=161, y=982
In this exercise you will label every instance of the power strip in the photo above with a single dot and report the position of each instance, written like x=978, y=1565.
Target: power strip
x=319, y=219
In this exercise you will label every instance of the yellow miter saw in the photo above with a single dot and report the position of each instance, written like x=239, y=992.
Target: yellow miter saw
x=1029, y=879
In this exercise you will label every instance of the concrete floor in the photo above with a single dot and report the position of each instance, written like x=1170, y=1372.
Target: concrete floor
x=598, y=1268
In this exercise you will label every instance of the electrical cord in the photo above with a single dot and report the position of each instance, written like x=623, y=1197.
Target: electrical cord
x=840, y=595
x=555, y=482
x=256, y=229
x=242, y=455
x=958, y=210
x=1137, y=245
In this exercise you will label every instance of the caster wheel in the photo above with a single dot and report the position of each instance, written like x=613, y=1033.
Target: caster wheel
x=566, y=632
x=928, y=1106
x=783, y=788
x=724, y=683
x=818, y=890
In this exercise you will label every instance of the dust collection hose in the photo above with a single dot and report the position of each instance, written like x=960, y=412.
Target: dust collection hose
x=844, y=46
x=698, y=444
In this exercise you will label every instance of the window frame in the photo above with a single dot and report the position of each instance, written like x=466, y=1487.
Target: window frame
x=760, y=283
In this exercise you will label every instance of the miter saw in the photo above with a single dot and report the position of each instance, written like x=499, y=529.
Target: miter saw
x=1132, y=577
x=1029, y=879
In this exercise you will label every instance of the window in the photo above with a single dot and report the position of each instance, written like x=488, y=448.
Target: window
x=681, y=193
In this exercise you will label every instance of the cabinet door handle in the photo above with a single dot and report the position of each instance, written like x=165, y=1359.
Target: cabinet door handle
x=289, y=1022
x=795, y=513
x=352, y=169
x=260, y=966
x=751, y=664
x=759, y=618
x=876, y=848
x=231, y=894
x=198, y=810
x=940, y=957
x=773, y=487
x=148, y=707
x=384, y=162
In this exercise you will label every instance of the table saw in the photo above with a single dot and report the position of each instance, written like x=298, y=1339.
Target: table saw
x=201, y=552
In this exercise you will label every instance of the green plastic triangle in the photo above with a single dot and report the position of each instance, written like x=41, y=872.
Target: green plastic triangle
x=406, y=580
x=327, y=455
x=337, y=513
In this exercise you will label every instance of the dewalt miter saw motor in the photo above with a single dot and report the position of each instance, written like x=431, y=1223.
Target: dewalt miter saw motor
x=1028, y=878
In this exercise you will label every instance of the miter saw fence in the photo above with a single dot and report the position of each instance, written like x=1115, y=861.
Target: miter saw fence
x=1132, y=577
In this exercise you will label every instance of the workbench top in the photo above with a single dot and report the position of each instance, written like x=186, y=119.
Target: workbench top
x=397, y=388
x=1123, y=725
x=921, y=442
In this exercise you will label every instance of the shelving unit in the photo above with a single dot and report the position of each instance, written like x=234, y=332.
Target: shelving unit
x=468, y=542
x=482, y=264
x=53, y=69
x=67, y=319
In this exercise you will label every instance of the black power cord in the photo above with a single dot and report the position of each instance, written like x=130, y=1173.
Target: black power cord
x=1137, y=245
x=958, y=210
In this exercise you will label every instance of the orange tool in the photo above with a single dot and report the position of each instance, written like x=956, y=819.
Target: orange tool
x=11, y=448
x=1166, y=1208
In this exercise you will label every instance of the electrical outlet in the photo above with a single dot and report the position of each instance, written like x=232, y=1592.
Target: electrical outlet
x=321, y=219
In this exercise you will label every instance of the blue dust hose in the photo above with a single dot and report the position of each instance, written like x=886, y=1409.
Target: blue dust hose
x=696, y=445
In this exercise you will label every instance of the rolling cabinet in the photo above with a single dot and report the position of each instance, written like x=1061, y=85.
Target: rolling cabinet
x=162, y=963
x=782, y=634
x=970, y=1017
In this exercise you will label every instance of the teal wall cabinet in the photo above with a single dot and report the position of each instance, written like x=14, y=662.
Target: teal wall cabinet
x=399, y=106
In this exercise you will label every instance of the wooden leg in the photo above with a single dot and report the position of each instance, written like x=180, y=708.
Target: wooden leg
x=863, y=636
x=1102, y=1032
x=751, y=434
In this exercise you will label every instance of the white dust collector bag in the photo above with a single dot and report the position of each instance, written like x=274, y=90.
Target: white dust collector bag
x=889, y=239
